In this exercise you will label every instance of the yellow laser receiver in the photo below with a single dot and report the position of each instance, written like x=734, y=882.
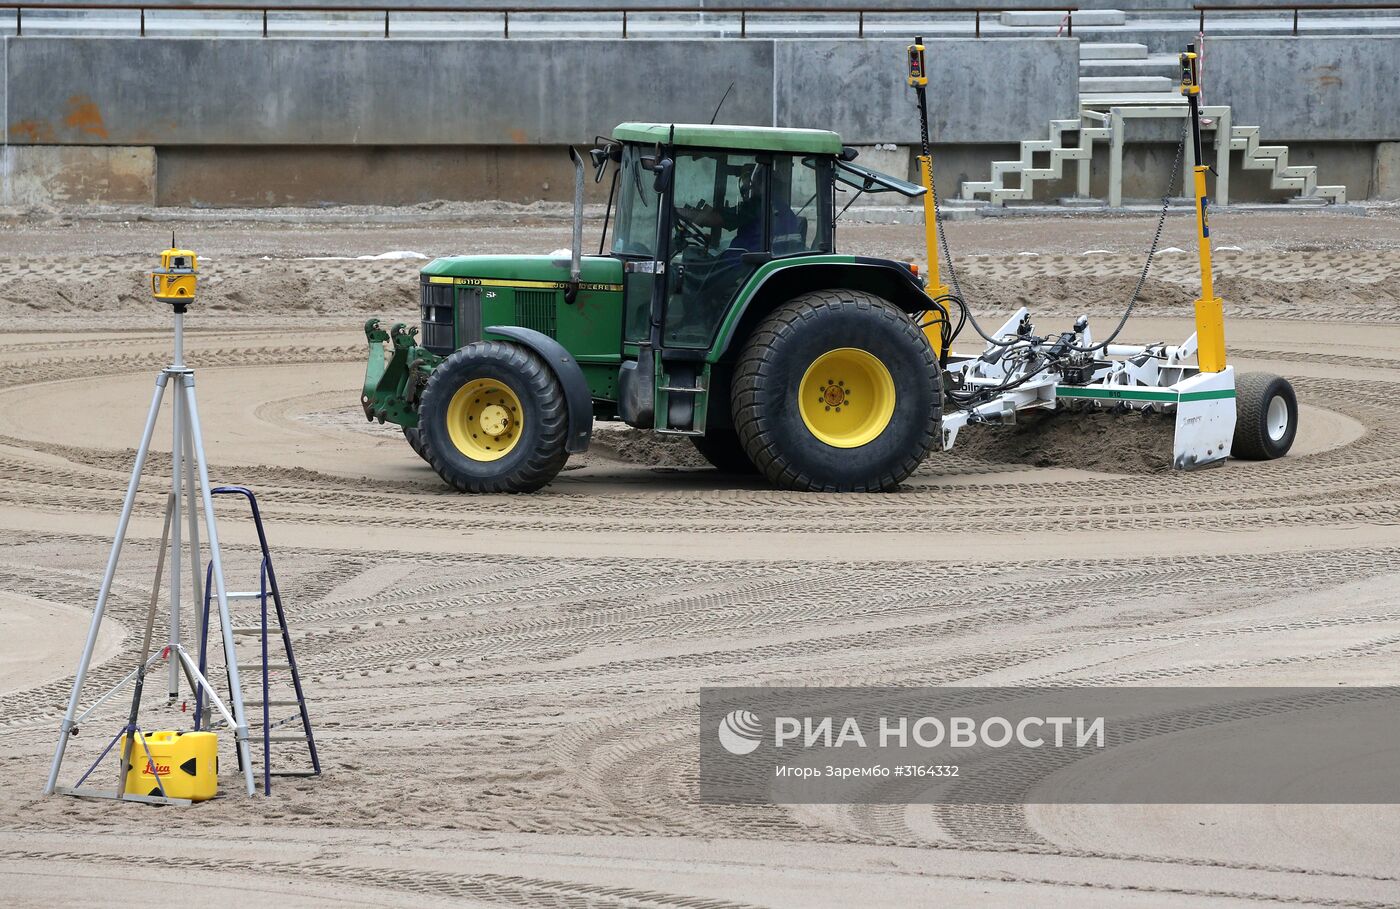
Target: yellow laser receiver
x=186, y=764
x=918, y=75
x=174, y=282
x=1190, y=73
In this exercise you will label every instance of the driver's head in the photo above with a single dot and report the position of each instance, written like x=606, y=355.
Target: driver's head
x=746, y=175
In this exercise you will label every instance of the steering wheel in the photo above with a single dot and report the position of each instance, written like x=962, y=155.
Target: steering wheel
x=691, y=232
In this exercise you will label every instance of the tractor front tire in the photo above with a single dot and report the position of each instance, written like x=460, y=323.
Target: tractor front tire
x=724, y=451
x=837, y=391
x=1266, y=417
x=493, y=418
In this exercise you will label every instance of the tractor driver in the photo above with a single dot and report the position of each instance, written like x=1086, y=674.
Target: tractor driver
x=746, y=217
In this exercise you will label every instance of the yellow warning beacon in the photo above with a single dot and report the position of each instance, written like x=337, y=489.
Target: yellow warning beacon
x=174, y=282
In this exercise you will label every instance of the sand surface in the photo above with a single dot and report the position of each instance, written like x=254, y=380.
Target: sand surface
x=504, y=688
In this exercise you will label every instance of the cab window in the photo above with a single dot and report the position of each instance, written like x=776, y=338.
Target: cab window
x=634, y=238
x=720, y=213
x=638, y=208
x=800, y=207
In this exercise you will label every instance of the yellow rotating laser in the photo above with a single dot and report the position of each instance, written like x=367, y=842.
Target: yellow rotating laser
x=176, y=279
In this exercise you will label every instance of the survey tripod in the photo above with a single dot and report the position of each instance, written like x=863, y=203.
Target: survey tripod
x=173, y=283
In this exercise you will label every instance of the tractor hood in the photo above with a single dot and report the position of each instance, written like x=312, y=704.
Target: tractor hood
x=528, y=270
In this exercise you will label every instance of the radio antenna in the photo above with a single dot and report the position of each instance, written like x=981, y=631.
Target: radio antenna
x=721, y=103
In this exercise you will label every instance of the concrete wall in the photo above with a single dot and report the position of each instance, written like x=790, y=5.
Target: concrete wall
x=1342, y=88
x=347, y=92
x=44, y=175
x=132, y=91
x=306, y=121
x=364, y=175
x=1004, y=91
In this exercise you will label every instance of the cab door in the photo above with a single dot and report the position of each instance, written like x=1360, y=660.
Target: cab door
x=636, y=241
x=719, y=238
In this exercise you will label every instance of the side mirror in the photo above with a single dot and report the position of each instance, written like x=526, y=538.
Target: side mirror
x=599, y=157
x=664, y=168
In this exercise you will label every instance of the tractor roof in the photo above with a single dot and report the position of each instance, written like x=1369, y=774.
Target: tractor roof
x=757, y=138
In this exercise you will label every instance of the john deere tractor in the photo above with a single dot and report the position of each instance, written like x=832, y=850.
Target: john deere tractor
x=722, y=312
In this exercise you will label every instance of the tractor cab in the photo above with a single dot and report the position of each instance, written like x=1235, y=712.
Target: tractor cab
x=703, y=214
x=694, y=226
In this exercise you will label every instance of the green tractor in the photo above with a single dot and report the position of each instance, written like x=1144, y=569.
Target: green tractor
x=722, y=313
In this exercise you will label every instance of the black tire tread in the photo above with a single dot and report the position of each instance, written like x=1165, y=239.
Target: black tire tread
x=548, y=456
x=415, y=441
x=724, y=451
x=1250, y=442
x=749, y=374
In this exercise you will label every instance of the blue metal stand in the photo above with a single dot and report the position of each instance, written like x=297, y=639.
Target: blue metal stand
x=267, y=584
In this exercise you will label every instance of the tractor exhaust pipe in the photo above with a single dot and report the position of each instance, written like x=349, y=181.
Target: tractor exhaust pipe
x=576, y=247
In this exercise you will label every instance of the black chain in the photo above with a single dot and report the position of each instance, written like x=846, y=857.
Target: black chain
x=1156, y=238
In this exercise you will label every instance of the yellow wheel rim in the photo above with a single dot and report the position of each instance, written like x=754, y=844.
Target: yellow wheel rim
x=484, y=419
x=846, y=397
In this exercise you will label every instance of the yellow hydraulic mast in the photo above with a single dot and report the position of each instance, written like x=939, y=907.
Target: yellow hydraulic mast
x=918, y=78
x=1210, y=315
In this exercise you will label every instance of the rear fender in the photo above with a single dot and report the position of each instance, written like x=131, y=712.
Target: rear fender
x=778, y=282
x=577, y=395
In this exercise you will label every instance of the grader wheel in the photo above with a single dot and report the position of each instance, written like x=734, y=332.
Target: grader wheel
x=493, y=419
x=1266, y=417
x=837, y=391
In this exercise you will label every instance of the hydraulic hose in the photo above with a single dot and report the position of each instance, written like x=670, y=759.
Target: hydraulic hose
x=968, y=318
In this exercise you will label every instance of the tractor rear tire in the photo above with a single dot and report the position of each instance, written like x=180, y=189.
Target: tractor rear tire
x=874, y=386
x=415, y=441
x=493, y=418
x=724, y=451
x=1266, y=417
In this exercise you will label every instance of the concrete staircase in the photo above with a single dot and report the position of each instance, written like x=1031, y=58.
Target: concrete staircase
x=1054, y=153
x=1282, y=175
x=1044, y=159
x=1118, y=82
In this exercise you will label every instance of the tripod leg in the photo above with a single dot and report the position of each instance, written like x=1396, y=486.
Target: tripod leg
x=230, y=656
x=192, y=516
x=176, y=463
x=131, y=726
x=105, y=590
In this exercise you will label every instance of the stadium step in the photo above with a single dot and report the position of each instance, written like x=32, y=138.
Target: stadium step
x=1106, y=84
x=1110, y=51
x=1163, y=65
x=1105, y=100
